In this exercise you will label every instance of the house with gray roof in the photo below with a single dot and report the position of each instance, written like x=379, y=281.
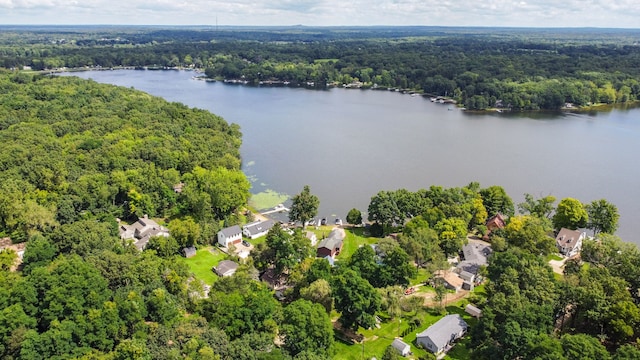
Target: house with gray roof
x=142, y=231
x=440, y=337
x=226, y=268
x=475, y=255
x=403, y=348
x=230, y=235
x=257, y=229
x=331, y=245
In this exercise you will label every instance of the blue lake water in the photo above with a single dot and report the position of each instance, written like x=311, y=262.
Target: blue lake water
x=349, y=144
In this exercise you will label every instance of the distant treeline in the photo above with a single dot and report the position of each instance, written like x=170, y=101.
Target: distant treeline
x=520, y=70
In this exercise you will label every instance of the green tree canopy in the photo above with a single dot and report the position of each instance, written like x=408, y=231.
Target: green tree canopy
x=306, y=327
x=570, y=214
x=355, y=299
x=603, y=217
x=304, y=206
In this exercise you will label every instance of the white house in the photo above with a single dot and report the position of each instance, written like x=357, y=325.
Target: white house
x=569, y=242
x=403, y=348
x=439, y=337
x=230, y=235
x=257, y=229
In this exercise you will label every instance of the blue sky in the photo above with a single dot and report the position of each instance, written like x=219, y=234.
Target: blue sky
x=534, y=13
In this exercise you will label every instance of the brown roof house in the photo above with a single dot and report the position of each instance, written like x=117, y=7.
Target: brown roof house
x=332, y=245
x=569, y=242
x=494, y=223
x=450, y=279
x=141, y=231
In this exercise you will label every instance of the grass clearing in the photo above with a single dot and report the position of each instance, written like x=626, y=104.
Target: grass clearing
x=556, y=257
x=356, y=237
x=201, y=264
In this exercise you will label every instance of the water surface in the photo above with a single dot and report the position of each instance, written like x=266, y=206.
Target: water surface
x=349, y=144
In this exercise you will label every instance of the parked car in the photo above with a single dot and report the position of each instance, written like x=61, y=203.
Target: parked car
x=339, y=222
x=245, y=243
x=323, y=221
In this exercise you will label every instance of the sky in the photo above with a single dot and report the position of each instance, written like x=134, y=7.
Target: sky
x=533, y=13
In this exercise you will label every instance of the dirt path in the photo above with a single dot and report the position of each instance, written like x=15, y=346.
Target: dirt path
x=449, y=298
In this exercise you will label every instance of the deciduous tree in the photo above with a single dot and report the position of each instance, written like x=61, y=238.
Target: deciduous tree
x=304, y=206
x=603, y=217
x=570, y=214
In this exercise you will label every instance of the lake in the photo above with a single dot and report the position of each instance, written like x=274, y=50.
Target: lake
x=350, y=144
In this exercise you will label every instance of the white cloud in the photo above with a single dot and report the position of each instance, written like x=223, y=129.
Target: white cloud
x=540, y=13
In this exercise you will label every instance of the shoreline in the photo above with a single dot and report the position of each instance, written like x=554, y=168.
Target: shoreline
x=599, y=107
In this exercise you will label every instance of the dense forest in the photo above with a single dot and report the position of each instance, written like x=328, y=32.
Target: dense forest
x=78, y=157
x=519, y=69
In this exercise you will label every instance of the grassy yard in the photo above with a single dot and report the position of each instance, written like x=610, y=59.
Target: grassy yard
x=556, y=257
x=355, y=238
x=377, y=340
x=201, y=264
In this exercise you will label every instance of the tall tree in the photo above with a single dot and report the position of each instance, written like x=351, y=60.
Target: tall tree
x=304, y=206
x=355, y=299
x=603, y=217
x=496, y=200
x=354, y=217
x=542, y=207
x=570, y=214
x=307, y=327
x=384, y=210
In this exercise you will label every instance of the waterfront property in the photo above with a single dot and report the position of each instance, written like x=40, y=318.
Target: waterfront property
x=331, y=245
x=257, y=229
x=569, y=242
x=230, y=236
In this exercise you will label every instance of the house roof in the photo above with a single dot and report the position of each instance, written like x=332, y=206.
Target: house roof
x=450, y=278
x=475, y=255
x=472, y=310
x=225, y=266
x=231, y=231
x=496, y=220
x=259, y=227
x=568, y=238
x=445, y=330
x=400, y=345
x=466, y=275
x=334, y=240
x=189, y=251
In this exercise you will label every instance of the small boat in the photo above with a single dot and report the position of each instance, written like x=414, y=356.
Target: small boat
x=433, y=99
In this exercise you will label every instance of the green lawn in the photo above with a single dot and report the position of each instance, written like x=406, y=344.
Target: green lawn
x=377, y=340
x=556, y=257
x=201, y=264
x=355, y=238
